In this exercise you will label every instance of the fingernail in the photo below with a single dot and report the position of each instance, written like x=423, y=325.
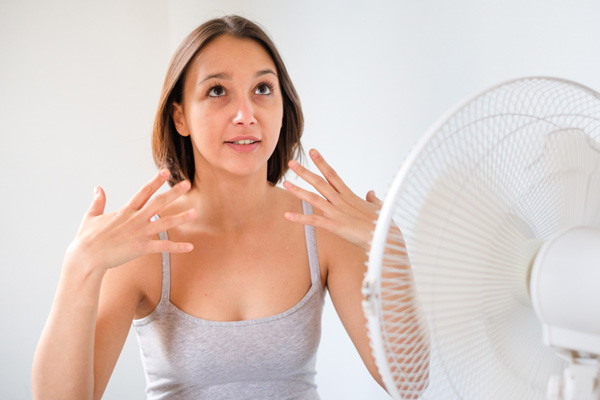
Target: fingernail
x=165, y=173
x=96, y=190
x=313, y=153
x=287, y=185
x=185, y=185
x=293, y=164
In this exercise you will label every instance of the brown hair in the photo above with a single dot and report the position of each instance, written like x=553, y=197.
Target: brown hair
x=173, y=151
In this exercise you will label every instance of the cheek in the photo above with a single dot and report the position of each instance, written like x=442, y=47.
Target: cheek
x=204, y=121
x=277, y=117
x=275, y=124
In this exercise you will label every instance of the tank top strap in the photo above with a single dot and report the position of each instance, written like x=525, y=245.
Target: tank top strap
x=166, y=267
x=311, y=247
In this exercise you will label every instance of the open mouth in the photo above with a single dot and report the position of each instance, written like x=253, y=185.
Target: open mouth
x=243, y=144
x=247, y=141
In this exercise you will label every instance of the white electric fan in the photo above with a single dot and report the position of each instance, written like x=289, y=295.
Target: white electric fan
x=499, y=212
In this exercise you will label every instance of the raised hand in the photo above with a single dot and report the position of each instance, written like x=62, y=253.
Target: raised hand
x=343, y=212
x=109, y=240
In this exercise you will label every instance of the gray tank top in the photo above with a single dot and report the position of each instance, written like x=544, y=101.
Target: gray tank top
x=186, y=357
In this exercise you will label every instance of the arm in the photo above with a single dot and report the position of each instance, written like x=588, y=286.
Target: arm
x=93, y=307
x=349, y=222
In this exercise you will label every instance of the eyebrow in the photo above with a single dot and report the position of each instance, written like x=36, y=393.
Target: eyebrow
x=220, y=75
x=226, y=76
x=265, y=72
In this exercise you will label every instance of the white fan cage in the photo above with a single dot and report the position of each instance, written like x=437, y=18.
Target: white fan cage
x=475, y=200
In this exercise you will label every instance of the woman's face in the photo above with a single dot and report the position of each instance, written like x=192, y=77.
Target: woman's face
x=232, y=107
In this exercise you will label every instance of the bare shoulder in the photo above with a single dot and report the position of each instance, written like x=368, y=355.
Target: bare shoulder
x=134, y=286
x=338, y=250
x=336, y=253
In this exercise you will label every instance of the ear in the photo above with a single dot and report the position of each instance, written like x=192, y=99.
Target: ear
x=179, y=119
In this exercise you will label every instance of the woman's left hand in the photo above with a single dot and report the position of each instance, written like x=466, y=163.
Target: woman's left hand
x=343, y=213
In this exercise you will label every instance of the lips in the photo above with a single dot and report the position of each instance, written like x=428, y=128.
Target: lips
x=243, y=144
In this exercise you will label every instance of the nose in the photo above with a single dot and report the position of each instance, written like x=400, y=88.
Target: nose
x=244, y=114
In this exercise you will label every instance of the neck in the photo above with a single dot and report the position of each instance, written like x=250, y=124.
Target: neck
x=231, y=203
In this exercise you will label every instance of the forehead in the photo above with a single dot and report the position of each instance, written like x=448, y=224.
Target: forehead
x=229, y=54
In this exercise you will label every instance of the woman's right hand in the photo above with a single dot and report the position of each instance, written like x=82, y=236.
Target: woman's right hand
x=106, y=241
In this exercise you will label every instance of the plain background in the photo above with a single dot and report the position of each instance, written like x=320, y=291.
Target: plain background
x=80, y=80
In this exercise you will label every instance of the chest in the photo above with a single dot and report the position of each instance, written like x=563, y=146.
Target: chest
x=241, y=277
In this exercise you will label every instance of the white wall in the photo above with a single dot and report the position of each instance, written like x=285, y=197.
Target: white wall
x=79, y=83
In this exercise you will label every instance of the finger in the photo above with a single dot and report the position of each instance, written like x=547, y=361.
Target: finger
x=359, y=237
x=146, y=192
x=166, y=246
x=314, y=199
x=328, y=172
x=320, y=184
x=335, y=181
x=166, y=223
x=98, y=203
x=372, y=198
x=158, y=203
x=313, y=220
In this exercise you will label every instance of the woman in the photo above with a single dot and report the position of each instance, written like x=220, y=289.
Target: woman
x=219, y=275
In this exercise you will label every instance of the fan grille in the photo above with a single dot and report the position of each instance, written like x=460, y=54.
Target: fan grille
x=475, y=201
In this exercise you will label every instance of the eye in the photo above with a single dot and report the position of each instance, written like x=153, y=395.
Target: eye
x=264, y=89
x=216, y=91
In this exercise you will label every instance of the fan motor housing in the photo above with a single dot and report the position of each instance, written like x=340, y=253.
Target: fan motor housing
x=565, y=289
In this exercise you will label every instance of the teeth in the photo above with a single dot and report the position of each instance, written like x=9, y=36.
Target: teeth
x=244, y=142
